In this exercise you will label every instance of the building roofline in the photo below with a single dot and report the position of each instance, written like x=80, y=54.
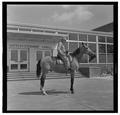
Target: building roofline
x=105, y=28
x=55, y=28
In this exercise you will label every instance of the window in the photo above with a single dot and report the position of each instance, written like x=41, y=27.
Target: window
x=105, y=53
x=101, y=38
x=73, y=46
x=14, y=66
x=92, y=46
x=82, y=37
x=92, y=38
x=109, y=53
x=102, y=53
x=73, y=36
x=14, y=55
x=102, y=48
x=23, y=66
x=109, y=58
x=23, y=55
x=109, y=48
x=109, y=40
x=102, y=58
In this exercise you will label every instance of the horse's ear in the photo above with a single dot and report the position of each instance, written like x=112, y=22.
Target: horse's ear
x=83, y=44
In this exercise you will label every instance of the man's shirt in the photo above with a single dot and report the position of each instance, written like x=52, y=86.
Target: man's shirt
x=61, y=48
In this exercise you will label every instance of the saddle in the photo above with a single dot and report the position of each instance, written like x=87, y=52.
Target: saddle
x=58, y=60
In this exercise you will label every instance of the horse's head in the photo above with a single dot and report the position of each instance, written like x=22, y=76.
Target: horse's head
x=84, y=49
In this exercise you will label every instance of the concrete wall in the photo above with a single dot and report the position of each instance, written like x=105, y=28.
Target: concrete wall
x=104, y=68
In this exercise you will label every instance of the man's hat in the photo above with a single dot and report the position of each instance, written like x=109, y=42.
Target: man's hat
x=63, y=39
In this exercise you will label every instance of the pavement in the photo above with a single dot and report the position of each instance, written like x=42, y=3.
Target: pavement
x=90, y=94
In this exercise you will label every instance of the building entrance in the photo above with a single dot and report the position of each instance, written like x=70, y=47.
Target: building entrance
x=18, y=60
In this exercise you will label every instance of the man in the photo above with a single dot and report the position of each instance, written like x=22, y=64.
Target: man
x=62, y=53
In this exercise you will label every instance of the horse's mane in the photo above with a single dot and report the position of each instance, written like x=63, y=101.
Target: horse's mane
x=76, y=52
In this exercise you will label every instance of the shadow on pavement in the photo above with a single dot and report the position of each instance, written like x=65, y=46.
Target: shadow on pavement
x=49, y=92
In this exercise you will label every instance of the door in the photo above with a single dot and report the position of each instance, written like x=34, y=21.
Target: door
x=18, y=60
x=23, y=60
x=42, y=53
x=47, y=53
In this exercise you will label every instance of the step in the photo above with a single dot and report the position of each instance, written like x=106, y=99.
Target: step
x=20, y=79
x=32, y=76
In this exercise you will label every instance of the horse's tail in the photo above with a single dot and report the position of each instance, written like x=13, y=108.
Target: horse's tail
x=38, y=71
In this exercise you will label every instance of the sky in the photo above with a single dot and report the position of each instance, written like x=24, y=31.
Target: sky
x=80, y=17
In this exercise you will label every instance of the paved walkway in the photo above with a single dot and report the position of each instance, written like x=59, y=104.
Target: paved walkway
x=90, y=94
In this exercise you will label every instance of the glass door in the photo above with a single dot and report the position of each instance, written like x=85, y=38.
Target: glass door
x=18, y=60
x=14, y=60
x=23, y=60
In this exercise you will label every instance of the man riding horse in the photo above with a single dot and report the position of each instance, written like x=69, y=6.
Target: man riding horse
x=63, y=54
x=47, y=63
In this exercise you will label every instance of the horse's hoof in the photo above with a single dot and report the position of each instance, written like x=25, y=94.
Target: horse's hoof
x=72, y=91
x=44, y=93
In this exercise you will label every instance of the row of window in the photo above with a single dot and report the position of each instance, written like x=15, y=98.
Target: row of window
x=103, y=48
x=18, y=55
x=90, y=38
x=105, y=53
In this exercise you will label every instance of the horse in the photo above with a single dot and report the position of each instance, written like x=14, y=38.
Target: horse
x=48, y=63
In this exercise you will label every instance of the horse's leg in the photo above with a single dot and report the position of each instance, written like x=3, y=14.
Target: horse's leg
x=72, y=81
x=42, y=82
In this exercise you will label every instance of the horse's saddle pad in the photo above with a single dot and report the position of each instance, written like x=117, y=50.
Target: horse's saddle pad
x=59, y=61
